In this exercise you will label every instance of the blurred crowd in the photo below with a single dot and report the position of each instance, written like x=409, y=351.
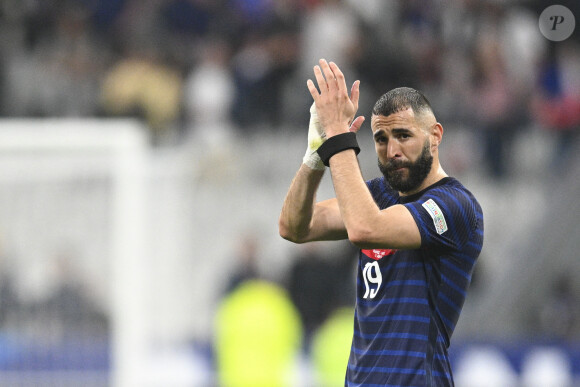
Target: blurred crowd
x=213, y=66
x=68, y=309
x=307, y=314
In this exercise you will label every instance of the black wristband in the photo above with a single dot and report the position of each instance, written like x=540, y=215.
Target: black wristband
x=337, y=144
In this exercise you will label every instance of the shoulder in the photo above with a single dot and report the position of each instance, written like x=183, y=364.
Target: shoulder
x=448, y=203
x=451, y=193
x=454, y=196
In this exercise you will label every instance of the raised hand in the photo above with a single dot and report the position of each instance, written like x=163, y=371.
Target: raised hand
x=336, y=109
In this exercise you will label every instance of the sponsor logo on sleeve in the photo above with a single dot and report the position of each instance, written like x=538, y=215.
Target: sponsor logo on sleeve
x=437, y=216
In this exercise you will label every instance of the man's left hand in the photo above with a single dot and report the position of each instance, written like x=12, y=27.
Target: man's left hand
x=336, y=109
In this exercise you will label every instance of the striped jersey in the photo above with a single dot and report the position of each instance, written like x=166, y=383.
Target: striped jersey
x=409, y=301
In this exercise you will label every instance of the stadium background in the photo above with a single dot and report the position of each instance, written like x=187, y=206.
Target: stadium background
x=147, y=145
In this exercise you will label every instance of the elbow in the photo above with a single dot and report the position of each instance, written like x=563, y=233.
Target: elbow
x=365, y=235
x=361, y=238
x=284, y=230
x=287, y=233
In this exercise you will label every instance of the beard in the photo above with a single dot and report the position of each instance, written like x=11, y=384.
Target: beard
x=417, y=171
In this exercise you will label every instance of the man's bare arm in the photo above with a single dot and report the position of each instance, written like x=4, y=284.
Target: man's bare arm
x=302, y=219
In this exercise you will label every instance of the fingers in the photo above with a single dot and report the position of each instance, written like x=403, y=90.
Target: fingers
x=331, y=82
x=329, y=77
x=322, y=85
x=355, y=94
x=338, y=76
x=324, y=78
x=356, y=124
x=313, y=90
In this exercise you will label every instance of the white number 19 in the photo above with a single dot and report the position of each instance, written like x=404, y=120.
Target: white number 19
x=374, y=278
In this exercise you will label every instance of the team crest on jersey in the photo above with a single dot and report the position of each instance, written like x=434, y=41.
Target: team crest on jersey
x=377, y=254
x=437, y=216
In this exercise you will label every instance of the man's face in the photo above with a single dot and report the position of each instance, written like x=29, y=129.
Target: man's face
x=407, y=176
x=403, y=149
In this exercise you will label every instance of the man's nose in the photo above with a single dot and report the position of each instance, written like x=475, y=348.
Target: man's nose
x=393, y=150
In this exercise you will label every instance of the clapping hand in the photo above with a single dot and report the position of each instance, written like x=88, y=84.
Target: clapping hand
x=335, y=108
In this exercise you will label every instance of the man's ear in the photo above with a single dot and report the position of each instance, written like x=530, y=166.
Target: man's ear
x=436, y=134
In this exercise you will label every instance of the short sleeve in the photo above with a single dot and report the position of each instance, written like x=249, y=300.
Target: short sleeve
x=445, y=218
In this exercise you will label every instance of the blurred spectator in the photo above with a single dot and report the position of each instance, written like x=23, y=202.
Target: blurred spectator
x=380, y=57
x=59, y=75
x=311, y=285
x=141, y=85
x=556, y=105
x=328, y=30
x=319, y=282
x=331, y=347
x=419, y=34
x=187, y=27
x=209, y=92
x=374, y=13
x=522, y=46
x=258, y=336
x=494, y=105
x=558, y=316
x=458, y=29
x=265, y=60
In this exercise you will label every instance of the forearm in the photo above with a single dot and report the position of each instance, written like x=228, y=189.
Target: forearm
x=356, y=204
x=298, y=208
x=368, y=226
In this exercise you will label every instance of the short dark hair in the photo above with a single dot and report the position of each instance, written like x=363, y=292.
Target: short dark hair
x=400, y=99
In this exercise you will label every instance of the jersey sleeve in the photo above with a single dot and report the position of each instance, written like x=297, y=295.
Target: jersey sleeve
x=445, y=218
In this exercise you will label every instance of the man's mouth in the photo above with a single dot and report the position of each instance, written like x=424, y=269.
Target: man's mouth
x=398, y=168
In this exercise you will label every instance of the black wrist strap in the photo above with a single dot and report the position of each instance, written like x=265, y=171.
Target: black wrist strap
x=337, y=144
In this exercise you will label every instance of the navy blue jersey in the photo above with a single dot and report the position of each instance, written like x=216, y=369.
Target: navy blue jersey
x=409, y=301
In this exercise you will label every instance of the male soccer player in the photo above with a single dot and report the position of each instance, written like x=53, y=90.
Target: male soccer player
x=419, y=230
